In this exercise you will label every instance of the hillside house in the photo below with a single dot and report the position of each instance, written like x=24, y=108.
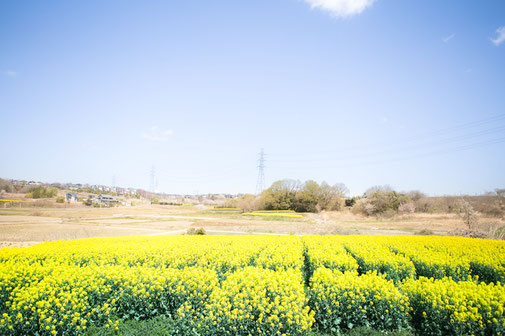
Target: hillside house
x=107, y=199
x=71, y=197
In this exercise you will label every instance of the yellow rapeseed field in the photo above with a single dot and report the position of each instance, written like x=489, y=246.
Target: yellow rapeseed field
x=274, y=213
x=256, y=285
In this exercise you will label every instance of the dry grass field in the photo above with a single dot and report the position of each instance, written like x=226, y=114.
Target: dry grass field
x=25, y=226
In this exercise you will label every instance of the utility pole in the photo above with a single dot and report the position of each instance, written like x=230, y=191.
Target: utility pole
x=260, y=184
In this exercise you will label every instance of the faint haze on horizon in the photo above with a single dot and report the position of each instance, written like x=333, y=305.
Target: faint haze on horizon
x=408, y=94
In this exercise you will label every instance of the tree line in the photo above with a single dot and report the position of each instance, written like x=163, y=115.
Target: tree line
x=310, y=196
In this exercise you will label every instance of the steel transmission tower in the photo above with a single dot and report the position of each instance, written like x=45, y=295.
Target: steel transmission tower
x=260, y=184
x=152, y=175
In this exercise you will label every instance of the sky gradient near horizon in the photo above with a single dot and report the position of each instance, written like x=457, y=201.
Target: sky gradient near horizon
x=405, y=93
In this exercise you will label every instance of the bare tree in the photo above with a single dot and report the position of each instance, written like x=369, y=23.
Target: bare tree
x=415, y=195
x=467, y=213
x=376, y=188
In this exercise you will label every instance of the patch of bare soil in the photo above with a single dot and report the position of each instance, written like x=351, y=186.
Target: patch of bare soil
x=17, y=244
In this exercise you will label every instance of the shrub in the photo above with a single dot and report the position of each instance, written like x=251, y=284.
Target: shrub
x=425, y=205
x=196, y=231
x=407, y=208
x=247, y=203
x=425, y=232
x=495, y=209
x=363, y=206
x=384, y=200
x=349, y=202
x=41, y=192
x=60, y=199
x=381, y=203
x=229, y=203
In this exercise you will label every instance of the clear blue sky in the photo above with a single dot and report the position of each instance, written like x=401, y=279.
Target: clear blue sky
x=405, y=93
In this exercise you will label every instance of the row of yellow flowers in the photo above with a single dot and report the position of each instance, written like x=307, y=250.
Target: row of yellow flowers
x=342, y=301
x=401, y=257
x=221, y=253
x=241, y=285
x=326, y=251
x=273, y=214
x=255, y=301
x=431, y=262
x=446, y=307
x=365, y=250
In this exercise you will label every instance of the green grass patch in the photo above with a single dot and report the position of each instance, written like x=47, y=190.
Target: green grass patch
x=165, y=326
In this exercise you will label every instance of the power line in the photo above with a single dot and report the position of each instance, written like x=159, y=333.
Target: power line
x=260, y=184
x=495, y=120
x=406, y=158
x=430, y=143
